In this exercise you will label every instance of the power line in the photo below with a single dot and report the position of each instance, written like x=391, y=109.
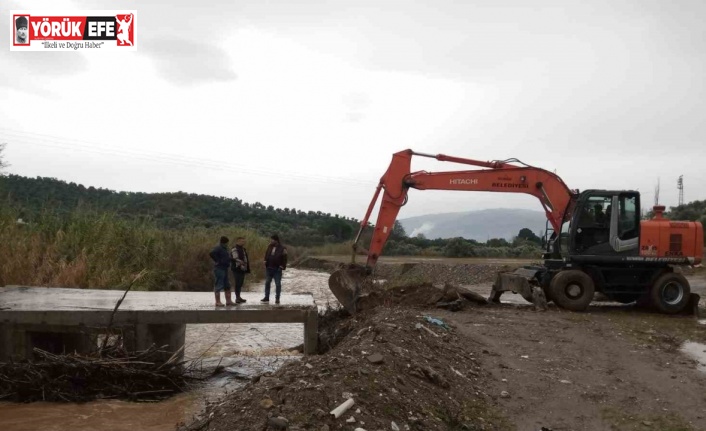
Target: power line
x=50, y=141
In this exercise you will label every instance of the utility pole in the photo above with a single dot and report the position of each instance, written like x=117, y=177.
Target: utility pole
x=680, y=186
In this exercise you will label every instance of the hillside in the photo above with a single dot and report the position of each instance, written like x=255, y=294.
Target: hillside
x=175, y=210
x=477, y=225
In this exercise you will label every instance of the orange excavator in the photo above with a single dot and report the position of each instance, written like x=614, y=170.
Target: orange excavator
x=596, y=240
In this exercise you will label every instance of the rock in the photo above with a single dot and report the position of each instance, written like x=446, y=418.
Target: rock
x=359, y=429
x=397, y=350
x=350, y=420
x=566, y=382
x=357, y=411
x=647, y=423
x=309, y=366
x=278, y=423
x=319, y=413
x=272, y=383
x=456, y=305
x=266, y=403
x=395, y=427
x=324, y=428
x=376, y=358
x=297, y=349
x=429, y=374
x=504, y=394
x=466, y=294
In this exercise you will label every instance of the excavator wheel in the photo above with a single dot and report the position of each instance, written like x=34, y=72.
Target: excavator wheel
x=346, y=284
x=670, y=293
x=572, y=289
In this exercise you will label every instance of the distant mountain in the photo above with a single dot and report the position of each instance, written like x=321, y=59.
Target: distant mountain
x=477, y=225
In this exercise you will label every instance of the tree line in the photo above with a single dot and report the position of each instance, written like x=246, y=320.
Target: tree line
x=179, y=211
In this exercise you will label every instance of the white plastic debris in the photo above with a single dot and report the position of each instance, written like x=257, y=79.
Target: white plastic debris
x=338, y=411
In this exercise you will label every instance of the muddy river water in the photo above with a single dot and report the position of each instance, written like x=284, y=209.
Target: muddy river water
x=241, y=350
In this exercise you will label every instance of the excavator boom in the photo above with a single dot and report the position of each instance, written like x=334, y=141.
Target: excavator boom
x=554, y=196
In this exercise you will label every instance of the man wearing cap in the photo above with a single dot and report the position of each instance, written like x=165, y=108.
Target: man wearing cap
x=21, y=35
x=275, y=263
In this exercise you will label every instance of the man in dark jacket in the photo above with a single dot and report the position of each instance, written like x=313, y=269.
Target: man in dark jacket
x=240, y=266
x=221, y=263
x=275, y=263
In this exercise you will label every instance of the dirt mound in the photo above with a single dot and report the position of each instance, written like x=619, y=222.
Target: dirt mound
x=459, y=274
x=418, y=272
x=403, y=371
x=423, y=295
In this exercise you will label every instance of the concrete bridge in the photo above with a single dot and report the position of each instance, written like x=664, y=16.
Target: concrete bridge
x=59, y=319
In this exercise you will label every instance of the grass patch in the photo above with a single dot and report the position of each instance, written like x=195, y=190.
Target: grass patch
x=86, y=249
x=622, y=421
x=472, y=414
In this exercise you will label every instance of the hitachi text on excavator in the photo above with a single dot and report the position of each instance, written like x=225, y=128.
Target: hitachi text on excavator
x=596, y=240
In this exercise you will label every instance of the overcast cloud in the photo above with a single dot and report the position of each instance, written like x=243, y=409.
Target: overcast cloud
x=302, y=103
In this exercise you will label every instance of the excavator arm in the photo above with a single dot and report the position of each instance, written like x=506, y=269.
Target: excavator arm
x=499, y=176
x=508, y=176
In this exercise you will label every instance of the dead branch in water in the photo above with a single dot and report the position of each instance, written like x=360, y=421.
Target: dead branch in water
x=117, y=305
x=137, y=376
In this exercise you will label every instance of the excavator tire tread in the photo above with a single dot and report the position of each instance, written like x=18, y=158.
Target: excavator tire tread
x=567, y=278
x=657, y=297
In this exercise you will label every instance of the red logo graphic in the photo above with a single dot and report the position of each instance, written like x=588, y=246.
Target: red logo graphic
x=125, y=33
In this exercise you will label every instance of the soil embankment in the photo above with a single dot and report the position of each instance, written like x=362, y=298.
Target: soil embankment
x=504, y=367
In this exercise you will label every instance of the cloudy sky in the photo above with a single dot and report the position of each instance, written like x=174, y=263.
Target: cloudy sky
x=302, y=103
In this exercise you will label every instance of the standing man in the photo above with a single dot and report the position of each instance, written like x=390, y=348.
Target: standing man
x=240, y=266
x=275, y=263
x=221, y=263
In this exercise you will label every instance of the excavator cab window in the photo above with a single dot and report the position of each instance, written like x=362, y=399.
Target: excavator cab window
x=629, y=219
x=625, y=223
x=564, y=236
x=592, y=224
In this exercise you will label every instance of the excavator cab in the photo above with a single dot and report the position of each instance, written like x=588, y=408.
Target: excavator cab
x=596, y=229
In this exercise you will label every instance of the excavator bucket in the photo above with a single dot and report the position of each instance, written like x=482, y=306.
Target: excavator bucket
x=521, y=281
x=346, y=285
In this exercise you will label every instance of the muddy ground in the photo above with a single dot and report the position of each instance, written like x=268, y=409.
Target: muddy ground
x=496, y=367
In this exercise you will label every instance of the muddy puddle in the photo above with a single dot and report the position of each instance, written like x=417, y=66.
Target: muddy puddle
x=697, y=352
x=237, y=351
